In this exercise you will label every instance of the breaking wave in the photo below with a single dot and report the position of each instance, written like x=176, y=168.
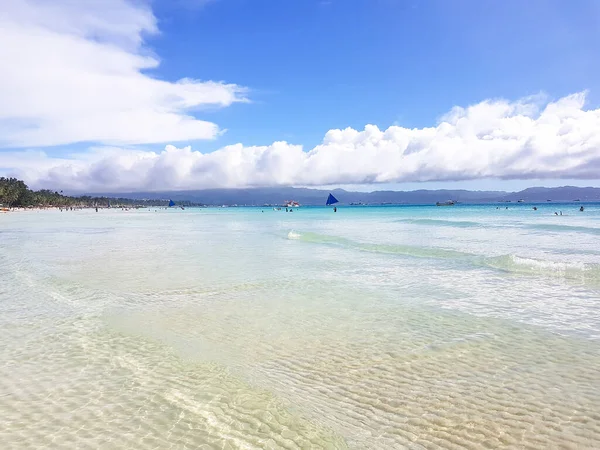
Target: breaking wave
x=531, y=266
x=293, y=235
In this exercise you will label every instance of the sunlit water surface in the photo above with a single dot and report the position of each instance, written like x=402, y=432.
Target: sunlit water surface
x=405, y=327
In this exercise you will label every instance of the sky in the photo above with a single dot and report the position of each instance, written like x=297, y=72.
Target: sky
x=123, y=95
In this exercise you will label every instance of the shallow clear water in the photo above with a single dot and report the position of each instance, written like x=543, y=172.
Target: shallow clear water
x=396, y=327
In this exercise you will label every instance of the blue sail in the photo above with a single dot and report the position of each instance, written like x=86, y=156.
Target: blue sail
x=331, y=200
x=171, y=203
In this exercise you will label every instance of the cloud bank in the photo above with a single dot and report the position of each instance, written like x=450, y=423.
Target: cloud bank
x=492, y=139
x=77, y=71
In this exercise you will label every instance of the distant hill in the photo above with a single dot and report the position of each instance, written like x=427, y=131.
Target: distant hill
x=559, y=194
x=306, y=196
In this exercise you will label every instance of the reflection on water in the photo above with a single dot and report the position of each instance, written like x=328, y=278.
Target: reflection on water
x=211, y=329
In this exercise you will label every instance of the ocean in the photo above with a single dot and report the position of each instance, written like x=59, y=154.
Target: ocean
x=247, y=328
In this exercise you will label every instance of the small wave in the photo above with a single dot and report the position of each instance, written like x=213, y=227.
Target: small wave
x=577, y=271
x=443, y=223
x=532, y=266
x=564, y=228
x=404, y=250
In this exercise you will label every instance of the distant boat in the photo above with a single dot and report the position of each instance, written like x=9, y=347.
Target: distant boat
x=520, y=201
x=291, y=204
x=331, y=200
x=171, y=203
x=576, y=200
x=548, y=200
x=448, y=203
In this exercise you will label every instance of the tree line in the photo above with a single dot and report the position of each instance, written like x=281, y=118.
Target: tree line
x=15, y=193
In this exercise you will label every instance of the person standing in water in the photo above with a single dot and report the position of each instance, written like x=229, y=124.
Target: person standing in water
x=335, y=209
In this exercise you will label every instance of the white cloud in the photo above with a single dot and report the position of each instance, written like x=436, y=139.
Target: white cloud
x=73, y=71
x=499, y=139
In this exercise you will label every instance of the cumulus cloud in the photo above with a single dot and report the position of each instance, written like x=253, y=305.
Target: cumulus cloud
x=77, y=71
x=492, y=139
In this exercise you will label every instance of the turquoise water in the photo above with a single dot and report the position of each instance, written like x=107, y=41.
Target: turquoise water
x=392, y=327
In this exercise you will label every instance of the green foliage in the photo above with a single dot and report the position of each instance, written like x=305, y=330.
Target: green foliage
x=11, y=190
x=15, y=193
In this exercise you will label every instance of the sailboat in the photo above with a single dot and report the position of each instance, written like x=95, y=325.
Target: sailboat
x=171, y=203
x=332, y=200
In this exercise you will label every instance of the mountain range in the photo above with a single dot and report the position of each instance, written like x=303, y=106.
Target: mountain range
x=307, y=196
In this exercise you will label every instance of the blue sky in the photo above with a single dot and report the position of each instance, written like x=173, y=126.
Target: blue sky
x=312, y=65
x=304, y=67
